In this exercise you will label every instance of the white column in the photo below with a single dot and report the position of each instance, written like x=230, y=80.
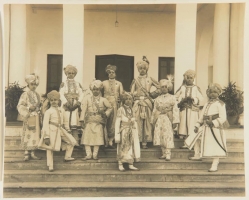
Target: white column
x=73, y=38
x=221, y=44
x=17, y=44
x=185, y=40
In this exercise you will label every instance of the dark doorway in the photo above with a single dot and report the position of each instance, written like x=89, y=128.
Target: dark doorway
x=54, y=72
x=125, y=68
x=166, y=67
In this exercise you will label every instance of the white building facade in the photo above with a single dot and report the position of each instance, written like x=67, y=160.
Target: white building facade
x=207, y=38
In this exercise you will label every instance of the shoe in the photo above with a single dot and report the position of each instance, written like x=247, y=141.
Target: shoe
x=133, y=168
x=34, y=157
x=77, y=147
x=68, y=159
x=213, y=170
x=162, y=157
x=167, y=158
x=87, y=158
x=26, y=158
x=183, y=147
x=195, y=158
x=95, y=158
x=111, y=147
x=50, y=169
x=144, y=147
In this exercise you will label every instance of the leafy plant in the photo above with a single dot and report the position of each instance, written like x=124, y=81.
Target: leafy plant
x=233, y=98
x=12, y=95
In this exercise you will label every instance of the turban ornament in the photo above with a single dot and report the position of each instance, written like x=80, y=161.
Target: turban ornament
x=53, y=95
x=70, y=68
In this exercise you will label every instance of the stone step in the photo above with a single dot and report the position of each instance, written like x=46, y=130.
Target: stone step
x=122, y=189
x=231, y=143
x=127, y=176
x=111, y=163
x=154, y=152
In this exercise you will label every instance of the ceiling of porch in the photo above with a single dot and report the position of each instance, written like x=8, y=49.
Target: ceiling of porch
x=112, y=7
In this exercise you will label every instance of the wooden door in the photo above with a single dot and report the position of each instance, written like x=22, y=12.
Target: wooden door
x=54, y=72
x=125, y=68
x=166, y=67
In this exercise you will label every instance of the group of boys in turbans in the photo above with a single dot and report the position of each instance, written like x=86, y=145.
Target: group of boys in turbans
x=111, y=115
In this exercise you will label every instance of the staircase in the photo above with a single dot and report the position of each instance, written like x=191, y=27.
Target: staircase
x=179, y=177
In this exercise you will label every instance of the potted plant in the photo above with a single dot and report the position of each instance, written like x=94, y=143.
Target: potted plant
x=12, y=96
x=234, y=100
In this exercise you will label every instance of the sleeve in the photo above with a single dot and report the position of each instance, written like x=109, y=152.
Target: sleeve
x=154, y=112
x=176, y=116
x=133, y=87
x=121, y=89
x=117, y=124
x=62, y=91
x=222, y=116
x=200, y=120
x=45, y=127
x=84, y=106
x=22, y=106
x=199, y=96
x=108, y=106
x=178, y=95
x=155, y=83
x=80, y=90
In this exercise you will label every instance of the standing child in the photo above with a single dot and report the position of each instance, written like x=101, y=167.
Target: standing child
x=165, y=117
x=212, y=122
x=54, y=132
x=29, y=108
x=189, y=97
x=126, y=134
x=95, y=111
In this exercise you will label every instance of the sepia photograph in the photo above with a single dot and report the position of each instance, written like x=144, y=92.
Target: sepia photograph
x=123, y=99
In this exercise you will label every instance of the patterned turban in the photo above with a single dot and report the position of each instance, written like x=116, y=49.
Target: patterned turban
x=97, y=84
x=143, y=62
x=53, y=95
x=32, y=78
x=166, y=82
x=189, y=73
x=124, y=96
x=216, y=87
x=110, y=67
x=70, y=68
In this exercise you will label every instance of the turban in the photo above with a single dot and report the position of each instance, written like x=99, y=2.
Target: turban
x=53, y=95
x=32, y=78
x=110, y=67
x=189, y=73
x=125, y=95
x=216, y=87
x=70, y=68
x=97, y=84
x=141, y=64
x=166, y=82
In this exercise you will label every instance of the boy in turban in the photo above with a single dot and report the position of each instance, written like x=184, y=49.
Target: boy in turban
x=211, y=123
x=54, y=132
x=143, y=105
x=112, y=91
x=29, y=108
x=189, y=97
x=71, y=94
x=95, y=111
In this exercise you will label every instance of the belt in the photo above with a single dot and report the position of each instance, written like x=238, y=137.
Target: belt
x=210, y=117
x=126, y=123
x=55, y=124
x=93, y=113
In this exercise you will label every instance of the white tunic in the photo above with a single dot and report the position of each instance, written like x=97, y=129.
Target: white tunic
x=210, y=148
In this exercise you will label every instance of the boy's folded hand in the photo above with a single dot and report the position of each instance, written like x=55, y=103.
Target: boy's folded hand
x=196, y=130
x=47, y=141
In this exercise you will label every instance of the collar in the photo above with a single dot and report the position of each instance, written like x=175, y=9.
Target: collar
x=144, y=76
x=213, y=100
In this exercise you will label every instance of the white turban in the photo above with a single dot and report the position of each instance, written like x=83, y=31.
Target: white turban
x=32, y=78
x=97, y=84
x=70, y=68
x=166, y=82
